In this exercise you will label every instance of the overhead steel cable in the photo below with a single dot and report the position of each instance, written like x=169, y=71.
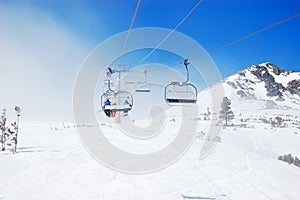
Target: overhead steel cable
x=248, y=35
x=130, y=27
x=243, y=37
x=254, y=33
x=117, y=117
x=165, y=38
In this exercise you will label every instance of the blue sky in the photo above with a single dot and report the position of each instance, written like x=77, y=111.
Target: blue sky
x=44, y=42
x=213, y=23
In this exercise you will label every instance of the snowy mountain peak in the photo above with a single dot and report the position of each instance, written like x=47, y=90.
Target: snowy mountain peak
x=265, y=81
x=267, y=67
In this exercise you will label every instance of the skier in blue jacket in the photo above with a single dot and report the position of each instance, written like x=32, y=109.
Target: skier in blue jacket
x=107, y=111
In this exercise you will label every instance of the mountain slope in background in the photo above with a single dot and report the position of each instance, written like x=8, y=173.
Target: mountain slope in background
x=265, y=91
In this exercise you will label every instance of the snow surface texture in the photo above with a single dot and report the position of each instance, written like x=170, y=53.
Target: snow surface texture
x=51, y=163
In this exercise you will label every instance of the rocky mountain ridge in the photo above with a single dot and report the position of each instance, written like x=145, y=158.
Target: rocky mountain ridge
x=265, y=81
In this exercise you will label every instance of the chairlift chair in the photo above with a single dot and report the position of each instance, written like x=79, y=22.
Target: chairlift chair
x=121, y=101
x=181, y=92
x=113, y=101
x=145, y=87
x=138, y=82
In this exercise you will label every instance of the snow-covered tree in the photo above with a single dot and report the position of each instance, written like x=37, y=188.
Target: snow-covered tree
x=207, y=114
x=279, y=121
x=3, y=129
x=297, y=161
x=226, y=113
x=287, y=158
x=9, y=134
x=15, y=125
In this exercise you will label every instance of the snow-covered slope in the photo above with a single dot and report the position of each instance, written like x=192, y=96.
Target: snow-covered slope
x=51, y=163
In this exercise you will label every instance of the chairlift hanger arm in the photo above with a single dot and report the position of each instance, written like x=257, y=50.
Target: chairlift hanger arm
x=186, y=63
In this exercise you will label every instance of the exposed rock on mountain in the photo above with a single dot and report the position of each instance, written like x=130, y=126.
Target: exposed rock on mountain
x=265, y=81
x=294, y=87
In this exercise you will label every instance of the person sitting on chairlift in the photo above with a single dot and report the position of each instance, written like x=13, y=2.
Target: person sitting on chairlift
x=107, y=102
x=126, y=102
x=107, y=111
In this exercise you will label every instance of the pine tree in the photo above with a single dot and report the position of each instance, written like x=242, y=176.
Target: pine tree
x=226, y=113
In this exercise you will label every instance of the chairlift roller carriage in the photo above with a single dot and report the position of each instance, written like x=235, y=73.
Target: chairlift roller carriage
x=181, y=92
x=113, y=101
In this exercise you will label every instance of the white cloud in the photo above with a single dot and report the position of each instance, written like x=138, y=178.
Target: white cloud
x=39, y=59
